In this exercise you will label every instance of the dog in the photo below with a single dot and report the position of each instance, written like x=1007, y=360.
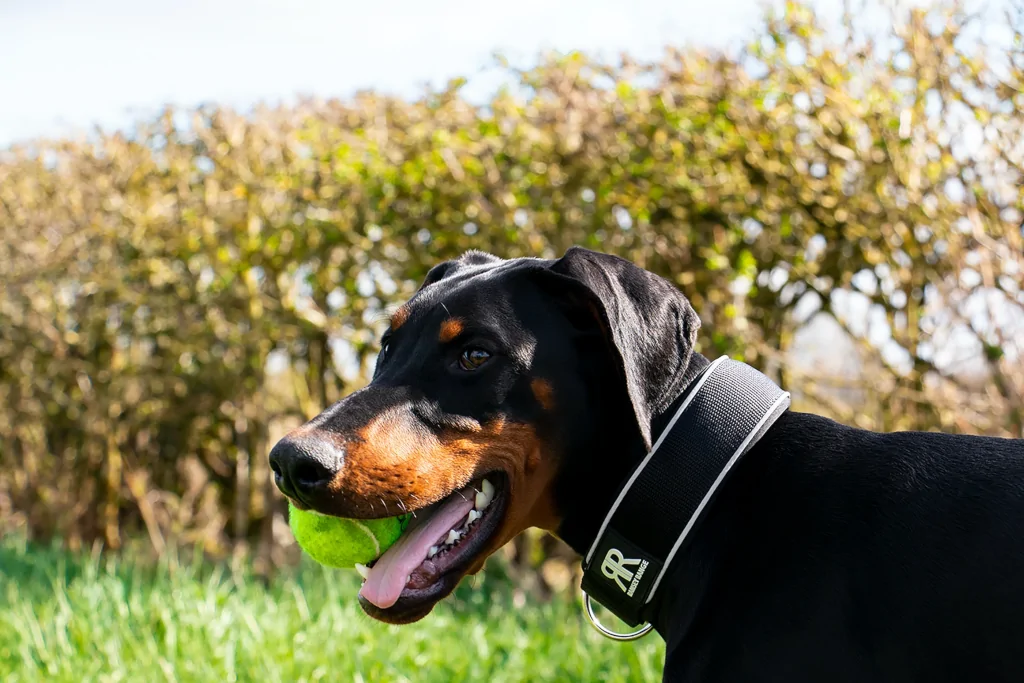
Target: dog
x=521, y=393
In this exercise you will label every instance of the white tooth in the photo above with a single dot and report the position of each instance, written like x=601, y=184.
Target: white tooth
x=453, y=537
x=433, y=551
x=473, y=516
x=363, y=570
x=485, y=496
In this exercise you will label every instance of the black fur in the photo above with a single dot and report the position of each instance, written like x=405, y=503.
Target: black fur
x=831, y=555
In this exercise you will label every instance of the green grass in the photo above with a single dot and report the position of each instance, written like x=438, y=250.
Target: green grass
x=79, y=618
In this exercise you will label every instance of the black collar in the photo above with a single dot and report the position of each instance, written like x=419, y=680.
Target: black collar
x=617, y=440
x=725, y=410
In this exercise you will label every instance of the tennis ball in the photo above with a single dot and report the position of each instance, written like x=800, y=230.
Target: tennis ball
x=342, y=543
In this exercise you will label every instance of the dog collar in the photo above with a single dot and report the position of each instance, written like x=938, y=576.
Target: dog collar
x=729, y=408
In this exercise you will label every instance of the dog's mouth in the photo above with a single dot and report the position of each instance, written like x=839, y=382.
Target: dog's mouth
x=432, y=555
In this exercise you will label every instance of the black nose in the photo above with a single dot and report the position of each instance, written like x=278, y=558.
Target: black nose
x=304, y=466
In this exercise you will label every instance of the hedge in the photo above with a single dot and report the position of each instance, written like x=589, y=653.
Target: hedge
x=176, y=294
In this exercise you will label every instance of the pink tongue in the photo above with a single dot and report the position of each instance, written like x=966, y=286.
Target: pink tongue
x=389, y=575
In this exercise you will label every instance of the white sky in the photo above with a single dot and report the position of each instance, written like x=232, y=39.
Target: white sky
x=68, y=64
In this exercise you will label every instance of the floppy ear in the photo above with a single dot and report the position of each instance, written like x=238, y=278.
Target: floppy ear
x=650, y=324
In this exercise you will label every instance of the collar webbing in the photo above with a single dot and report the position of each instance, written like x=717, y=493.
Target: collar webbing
x=729, y=408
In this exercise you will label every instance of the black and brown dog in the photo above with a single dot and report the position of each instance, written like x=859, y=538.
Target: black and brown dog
x=518, y=393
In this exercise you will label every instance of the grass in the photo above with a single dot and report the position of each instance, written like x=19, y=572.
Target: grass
x=81, y=618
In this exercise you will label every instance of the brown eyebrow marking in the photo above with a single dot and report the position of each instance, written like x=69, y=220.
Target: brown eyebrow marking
x=543, y=392
x=450, y=329
x=399, y=317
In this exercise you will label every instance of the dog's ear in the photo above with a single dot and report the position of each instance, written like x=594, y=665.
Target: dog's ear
x=648, y=322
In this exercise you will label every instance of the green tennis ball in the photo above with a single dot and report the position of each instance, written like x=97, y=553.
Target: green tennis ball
x=342, y=543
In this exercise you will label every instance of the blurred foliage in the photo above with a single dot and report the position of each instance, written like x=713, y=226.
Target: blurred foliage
x=174, y=297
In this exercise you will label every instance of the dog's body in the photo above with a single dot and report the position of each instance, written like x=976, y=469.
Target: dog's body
x=831, y=553
x=841, y=555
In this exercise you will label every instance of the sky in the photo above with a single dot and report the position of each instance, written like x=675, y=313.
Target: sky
x=66, y=65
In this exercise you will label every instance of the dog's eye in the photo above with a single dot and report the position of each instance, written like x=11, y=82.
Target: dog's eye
x=473, y=358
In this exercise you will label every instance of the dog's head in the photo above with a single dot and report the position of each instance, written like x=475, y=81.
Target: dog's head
x=489, y=412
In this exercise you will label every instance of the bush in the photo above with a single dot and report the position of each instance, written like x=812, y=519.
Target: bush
x=174, y=296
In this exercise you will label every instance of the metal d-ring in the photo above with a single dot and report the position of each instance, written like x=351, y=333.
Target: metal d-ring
x=605, y=631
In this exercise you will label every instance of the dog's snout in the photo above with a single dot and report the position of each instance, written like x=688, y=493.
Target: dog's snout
x=303, y=466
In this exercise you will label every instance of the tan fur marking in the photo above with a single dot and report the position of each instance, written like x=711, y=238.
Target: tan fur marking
x=543, y=392
x=450, y=329
x=393, y=461
x=399, y=317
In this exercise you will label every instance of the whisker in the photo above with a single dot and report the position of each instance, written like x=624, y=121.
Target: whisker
x=414, y=497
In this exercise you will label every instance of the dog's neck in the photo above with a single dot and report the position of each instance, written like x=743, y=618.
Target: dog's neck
x=593, y=477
